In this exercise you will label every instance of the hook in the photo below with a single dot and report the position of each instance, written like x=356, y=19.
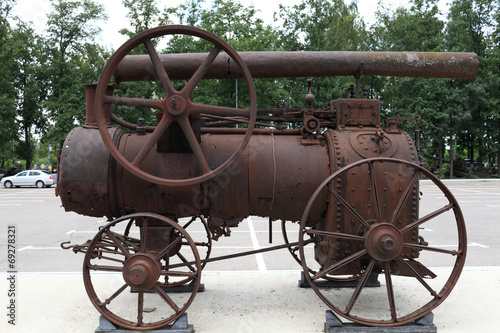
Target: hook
x=66, y=247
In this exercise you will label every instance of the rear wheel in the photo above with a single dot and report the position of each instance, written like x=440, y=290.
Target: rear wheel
x=40, y=184
x=8, y=184
x=385, y=235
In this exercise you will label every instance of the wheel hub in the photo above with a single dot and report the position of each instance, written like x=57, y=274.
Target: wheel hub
x=384, y=242
x=141, y=271
x=176, y=105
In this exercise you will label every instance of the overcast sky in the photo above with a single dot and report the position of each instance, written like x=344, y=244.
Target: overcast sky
x=36, y=12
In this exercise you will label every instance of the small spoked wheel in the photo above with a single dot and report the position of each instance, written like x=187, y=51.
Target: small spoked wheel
x=124, y=274
x=379, y=228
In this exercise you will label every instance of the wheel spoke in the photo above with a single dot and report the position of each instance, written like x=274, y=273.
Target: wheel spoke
x=184, y=260
x=194, y=144
x=104, y=268
x=427, y=218
x=404, y=197
x=117, y=242
x=375, y=192
x=178, y=273
x=335, y=235
x=166, y=298
x=167, y=249
x=219, y=110
x=136, y=102
x=418, y=277
x=140, y=307
x=159, y=69
x=185, y=226
x=433, y=249
x=115, y=295
x=390, y=291
x=338, y=264
x=349, y=208
x=360, y=286
x=201, y=71
x=151, y=141
x=143, y=235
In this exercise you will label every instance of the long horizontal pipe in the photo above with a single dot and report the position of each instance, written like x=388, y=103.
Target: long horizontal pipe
x=306, y=64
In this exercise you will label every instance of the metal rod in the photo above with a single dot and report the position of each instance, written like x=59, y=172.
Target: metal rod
x=211, y=130
x=242, y=254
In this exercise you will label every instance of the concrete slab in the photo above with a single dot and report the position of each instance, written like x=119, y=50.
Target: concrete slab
x=238, y=302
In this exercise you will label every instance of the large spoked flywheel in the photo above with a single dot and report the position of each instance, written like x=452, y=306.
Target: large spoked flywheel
x=174, y=108
x=378, y=229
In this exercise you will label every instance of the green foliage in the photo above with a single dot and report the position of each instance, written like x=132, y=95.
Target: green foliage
x=69, y=64
x=42, y=77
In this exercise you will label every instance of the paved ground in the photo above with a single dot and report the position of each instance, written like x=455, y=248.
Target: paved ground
x=258, y=293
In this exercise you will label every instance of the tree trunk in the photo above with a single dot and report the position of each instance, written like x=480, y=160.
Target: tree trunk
x=498, y=163
x=27, y=147
x=452, y=155
x=440, y=153
x=471, y=148
x=480, y=156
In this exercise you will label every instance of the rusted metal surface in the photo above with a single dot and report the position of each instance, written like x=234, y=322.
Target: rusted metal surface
x=307, y=64
x=85, y=184
x=176, y=107
x=379, y=238
x=352, y=184
x=140, y=267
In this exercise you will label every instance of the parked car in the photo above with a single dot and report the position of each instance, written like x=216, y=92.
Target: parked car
x=29, y=178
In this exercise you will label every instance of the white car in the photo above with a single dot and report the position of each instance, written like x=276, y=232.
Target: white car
x=36, y=178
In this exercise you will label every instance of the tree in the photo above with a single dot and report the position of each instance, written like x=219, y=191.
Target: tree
x=71, y=25
x=470, y=29
x=417, y=28
x=30, y=89
x=142, y=15
x=7, y=90
x=320, y=25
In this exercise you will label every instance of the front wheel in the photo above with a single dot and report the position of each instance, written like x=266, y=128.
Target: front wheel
x=8, y=184
x=40, y=184
x=139, y=262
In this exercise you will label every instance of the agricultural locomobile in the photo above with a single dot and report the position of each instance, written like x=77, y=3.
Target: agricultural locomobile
x=354, y=185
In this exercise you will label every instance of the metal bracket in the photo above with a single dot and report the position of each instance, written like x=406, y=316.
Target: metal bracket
x=334, y=325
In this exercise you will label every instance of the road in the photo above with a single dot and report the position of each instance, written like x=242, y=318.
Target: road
x=255, y=288
x=42, y=225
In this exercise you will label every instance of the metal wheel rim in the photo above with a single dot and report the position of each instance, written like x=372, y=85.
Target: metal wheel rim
x=447, y=287
x=129, y=46
x=138, y=325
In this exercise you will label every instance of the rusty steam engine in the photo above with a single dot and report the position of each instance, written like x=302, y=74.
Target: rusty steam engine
x=353, y=184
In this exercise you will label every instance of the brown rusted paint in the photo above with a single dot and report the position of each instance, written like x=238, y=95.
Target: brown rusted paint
x=307, y=64
x=275, y=172
x=349, y=146
x=85, y=178
x=176, y=107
